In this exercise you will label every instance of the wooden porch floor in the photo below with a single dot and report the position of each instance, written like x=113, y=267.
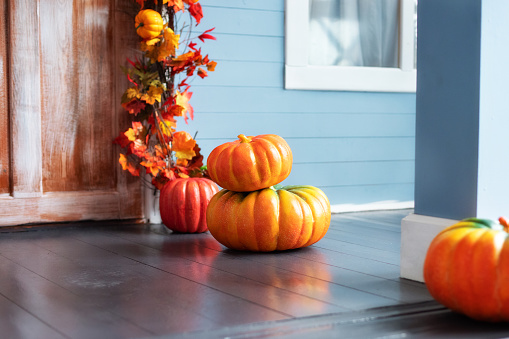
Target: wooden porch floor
x=118, y=280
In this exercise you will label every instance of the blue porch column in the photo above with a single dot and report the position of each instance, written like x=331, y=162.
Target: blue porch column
x=462, y=120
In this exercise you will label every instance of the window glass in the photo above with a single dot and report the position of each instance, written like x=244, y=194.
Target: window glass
x=361, y=33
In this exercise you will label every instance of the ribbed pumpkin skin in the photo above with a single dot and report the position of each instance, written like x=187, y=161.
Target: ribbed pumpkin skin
x=269, y=220
x=183, y=204
x=467, y=269
x=148, y=23
x=264, y=161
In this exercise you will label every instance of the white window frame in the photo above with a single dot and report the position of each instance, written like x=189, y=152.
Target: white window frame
x=302, y=76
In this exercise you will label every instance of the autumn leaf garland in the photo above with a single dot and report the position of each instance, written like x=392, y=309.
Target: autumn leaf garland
x=159, y=92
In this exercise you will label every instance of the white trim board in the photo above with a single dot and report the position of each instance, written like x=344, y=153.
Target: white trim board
x=417, y=232
x=375, y=206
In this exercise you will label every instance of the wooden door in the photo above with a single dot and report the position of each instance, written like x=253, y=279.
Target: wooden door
x=60, y=110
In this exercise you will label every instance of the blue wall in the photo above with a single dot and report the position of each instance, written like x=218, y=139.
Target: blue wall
x=357, y=147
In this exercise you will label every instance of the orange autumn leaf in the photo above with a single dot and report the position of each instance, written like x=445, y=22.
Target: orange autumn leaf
x=130, y=134
x=133, y=133
x=177, y=110
x=183, y=145
x=126, y=165
x=132, y=93
x=178, y=5
x=211, y=66
x=182, y=99
x=169, y=45
x=153, y=167
x=167, y=127
x=153, y=94
x=182, y=59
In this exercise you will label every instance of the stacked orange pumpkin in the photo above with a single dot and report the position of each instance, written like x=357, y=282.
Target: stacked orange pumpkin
x=250, y=213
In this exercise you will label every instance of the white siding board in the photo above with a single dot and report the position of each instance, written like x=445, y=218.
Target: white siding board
x=241, y=21
x=269, y=5
x=317, y=125
x=218, y=99
x=337, y=149
x=244, y=48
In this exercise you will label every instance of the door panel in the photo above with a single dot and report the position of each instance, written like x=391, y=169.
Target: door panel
x=4, y=117
x=78, y=95
x=65, y=85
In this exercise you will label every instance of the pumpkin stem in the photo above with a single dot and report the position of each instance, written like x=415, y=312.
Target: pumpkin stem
x=504, y=223
x=140, y=25
x=243, y=138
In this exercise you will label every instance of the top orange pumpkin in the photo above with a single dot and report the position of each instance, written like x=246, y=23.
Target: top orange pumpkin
x=250, y=163
x=149, y=24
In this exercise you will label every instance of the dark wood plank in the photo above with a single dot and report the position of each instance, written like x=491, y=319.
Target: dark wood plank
x=361, y=251
x=366, y=240
x=15, y=322
x=117, y=300
x=70, y=314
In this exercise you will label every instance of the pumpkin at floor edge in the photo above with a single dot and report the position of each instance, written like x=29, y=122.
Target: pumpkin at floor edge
x=467, y=269
x=183, y=204
x=269, y=219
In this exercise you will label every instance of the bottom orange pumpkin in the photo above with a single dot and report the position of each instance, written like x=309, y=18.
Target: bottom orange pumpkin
x=269, y=219
x=467, y=269
x=183, y=204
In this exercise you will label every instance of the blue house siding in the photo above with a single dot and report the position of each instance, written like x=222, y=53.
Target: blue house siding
x=357, y=147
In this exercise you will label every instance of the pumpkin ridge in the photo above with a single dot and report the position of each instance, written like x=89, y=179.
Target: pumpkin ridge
x=452, y=281
x=303, y=202
x=224, y=226
x=498, y=279
x=486, y=239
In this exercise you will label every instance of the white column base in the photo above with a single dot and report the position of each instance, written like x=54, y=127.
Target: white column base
x=152, y=214
x=417, y=232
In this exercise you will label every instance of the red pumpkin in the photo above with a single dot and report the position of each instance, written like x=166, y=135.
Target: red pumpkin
x=250, y=163
x=467, y=269
x=183, y=204
x=269, y=219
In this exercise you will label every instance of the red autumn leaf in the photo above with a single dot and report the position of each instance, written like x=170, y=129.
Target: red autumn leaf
x=197, y=160
x=122, y=140
x=196, y=11
x=202, y=73
x=134, y=106
x=204, y=35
